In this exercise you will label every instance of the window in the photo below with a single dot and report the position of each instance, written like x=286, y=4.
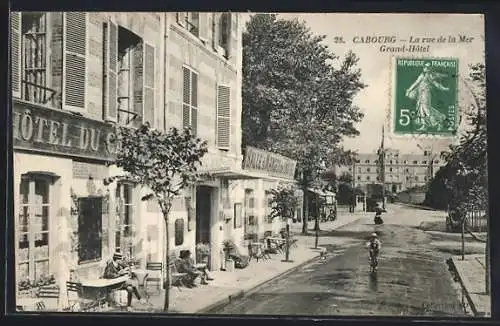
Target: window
x=129, y=70
x=33, y=227
x=405, y=162
x=426, y=153
x=130, y=77
x=125, y=218
x=436, y=161
x=390, y=162
x=190, y=99
x=425, y=178
x=360, y=170
x=367, y=169
x=367, y=177
x=407, y=170
x=57, y=79
x=223, y=117
x=415, y=162
x=367, y=161
x=350, y=169
x=224, y=32
x=359, y=177
x=179, y=231
x=424, y=162
x=268, y=206
x=35, y=59
x=390, y=169
x=89, y=229
x=193, y=23
x=416, y=178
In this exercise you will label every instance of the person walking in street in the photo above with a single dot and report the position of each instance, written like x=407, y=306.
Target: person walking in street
x=116, y=268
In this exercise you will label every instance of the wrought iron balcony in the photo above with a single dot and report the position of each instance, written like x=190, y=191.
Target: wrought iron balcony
x=35, y=93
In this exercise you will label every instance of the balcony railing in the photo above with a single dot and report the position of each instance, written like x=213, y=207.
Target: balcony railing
x=35, y=93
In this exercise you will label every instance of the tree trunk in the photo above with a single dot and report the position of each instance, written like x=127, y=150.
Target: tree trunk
x=167, y=268
x=305, y=208
x=463, y=238
x=316, y=230
x=166, y=211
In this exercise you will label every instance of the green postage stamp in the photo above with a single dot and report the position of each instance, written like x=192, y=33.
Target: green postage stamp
x=425, y=96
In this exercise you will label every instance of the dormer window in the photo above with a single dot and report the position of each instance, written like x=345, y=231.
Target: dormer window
x=193, y=23
x=224, y=32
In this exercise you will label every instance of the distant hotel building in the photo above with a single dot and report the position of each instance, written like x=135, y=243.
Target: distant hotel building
x=402, y=171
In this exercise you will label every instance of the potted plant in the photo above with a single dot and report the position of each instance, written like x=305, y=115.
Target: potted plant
x=228, y=247
x=202, y=252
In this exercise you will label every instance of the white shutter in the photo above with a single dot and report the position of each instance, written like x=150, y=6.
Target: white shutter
x=205, y=26
x=138, y=83
x=223, y=117
x=186, y=97
x=149, y=84
x=74, y=60
x=111, y=71
x=15, y=53
x=194, y=102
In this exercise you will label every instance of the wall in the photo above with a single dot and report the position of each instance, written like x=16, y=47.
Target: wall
x=186, y=49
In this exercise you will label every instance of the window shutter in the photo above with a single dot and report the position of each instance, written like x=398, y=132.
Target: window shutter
x=138, y=83
x=186, y=97
x=223, y=116
x=181, y=18
x=194, y=102
x=74, y=60
x=111, y=69
x=149, y=84
x=205, y=27
x=15, y=53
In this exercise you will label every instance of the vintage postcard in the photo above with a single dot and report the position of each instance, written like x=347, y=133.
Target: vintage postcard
x=250, y=163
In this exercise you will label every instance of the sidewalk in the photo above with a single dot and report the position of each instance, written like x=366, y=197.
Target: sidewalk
x=471, y=274
x=227, y=286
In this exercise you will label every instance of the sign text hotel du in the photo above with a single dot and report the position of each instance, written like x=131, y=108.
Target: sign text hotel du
x=61, y=133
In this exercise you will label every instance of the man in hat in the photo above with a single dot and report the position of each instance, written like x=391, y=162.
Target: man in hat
x=116, y=268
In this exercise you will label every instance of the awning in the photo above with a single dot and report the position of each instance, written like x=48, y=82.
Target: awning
x=240, y=174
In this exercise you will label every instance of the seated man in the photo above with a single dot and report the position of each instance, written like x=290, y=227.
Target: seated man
x=187, y=266
x=115, y=268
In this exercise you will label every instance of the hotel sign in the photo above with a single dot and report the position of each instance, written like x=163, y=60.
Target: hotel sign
x=273, y=164
x=58, y=132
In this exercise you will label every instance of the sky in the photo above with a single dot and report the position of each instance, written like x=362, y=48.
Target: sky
x=375, y=99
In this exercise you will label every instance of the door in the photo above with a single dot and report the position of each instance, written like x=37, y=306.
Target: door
x=33, y=229
x=203, y=214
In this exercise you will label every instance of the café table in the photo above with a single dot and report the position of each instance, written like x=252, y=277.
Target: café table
x=101, y=288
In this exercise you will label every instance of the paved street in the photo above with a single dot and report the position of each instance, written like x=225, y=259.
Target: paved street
x=412, y=280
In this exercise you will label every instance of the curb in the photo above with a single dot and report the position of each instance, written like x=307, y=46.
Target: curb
x=241, y=293
x=425, y=208
x=465, y=291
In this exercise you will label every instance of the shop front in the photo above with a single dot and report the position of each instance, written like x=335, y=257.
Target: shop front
x=66, y=219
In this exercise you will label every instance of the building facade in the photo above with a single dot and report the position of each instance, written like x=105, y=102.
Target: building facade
x=402, y=171
x=74, y=76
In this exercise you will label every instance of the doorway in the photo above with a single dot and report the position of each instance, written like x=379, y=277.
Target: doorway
x=203, y=214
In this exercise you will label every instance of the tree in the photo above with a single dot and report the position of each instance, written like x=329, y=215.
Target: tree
x=163, y=163
x=468, y=184
x=297, y=96
x=283, y=201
